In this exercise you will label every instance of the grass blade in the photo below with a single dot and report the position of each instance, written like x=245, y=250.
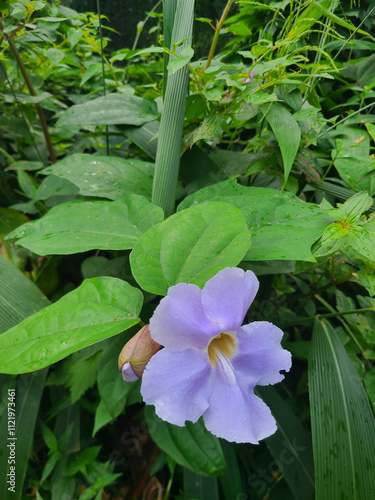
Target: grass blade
x=19, y=298
x=343, y=425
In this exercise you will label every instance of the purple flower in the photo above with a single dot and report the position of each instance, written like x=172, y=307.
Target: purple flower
x=211, y=364
x=250, y=79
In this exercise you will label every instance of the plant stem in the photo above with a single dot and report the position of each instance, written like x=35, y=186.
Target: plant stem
x=103, y=70
x=39, y=110
x=219, y=25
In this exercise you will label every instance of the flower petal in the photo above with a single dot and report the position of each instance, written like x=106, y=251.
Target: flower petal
x=227, y=296
x=260, y=356
x=235, y=413
x=179, y=321
x=177, y=384
x=128, y=373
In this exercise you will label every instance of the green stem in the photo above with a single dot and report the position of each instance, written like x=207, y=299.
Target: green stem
x=344, y=324
x=219, y=25
x=344, y=119
x=103, y=70
x=39, y=110
x=330, y=315
x=172, y=119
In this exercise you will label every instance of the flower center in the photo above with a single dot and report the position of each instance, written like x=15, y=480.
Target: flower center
x=222, y=345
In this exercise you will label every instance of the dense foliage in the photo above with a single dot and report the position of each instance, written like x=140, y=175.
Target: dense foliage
x=127, y=171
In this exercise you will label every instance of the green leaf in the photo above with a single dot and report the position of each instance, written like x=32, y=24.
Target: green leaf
x=354, y=207
x=363, y=241
x=82, y=376
x=370, y=387
x=282, y=226
x=55, y=55
x=145, y=137
x=19, y=298
x=230, y=480
x=105, y=176
x=200, y=487
x=287, y=133
x=351, y=158
x=343, y=427
x=113, y=109
x=191, y=446
x=9, y=220
x=112, y=388
x=80, y=226
x=290, y=446
x=176, y=63
x=190, y=247
x=49, y=437
x=96, y=310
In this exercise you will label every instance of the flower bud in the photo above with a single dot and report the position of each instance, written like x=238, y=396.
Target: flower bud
x=136, y=354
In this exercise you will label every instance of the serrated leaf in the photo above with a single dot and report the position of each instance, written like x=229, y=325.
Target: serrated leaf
x=191, y=446
x=343, y=426
x=82, y=376
x=96, y=310
x=112, y=109
x=105, y=176
x=80, y=226
x=112, y=388
x=190, y=247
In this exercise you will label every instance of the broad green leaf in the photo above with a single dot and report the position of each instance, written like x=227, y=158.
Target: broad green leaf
x=9, y=220
x=354, y=207
x=367, y=281
x=55, y=55
x=52, y=186
x=351, y=158
x=176, y=63
x=105, y=176
x=190, y=247
x=191, y=446
x=290, y=446
x=287, y=133
x=19, y=298
x=112, y=109
x=80, y=226
x=363, y=241
x=96, y=310
x=343, y=426
x=282, y=226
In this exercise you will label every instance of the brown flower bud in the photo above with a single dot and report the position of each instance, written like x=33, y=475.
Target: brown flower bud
x=136, y=353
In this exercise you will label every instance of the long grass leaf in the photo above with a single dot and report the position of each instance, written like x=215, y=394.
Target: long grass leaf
x=343, y=424
x=19, y=298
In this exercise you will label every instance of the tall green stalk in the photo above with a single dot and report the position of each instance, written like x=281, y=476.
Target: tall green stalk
x=219, y=25
x=171, y=125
